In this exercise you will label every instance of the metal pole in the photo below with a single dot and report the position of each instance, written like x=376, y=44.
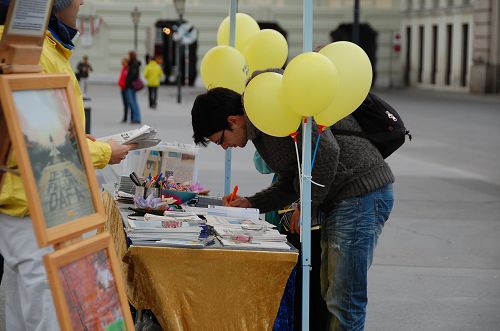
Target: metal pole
x=355, y=25
x=305, y=214
x=178, y=45
x=135, y=37
x=186, y=65
x=232, y=40
x=179, y=71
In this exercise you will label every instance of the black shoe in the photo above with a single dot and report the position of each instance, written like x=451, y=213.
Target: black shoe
x=135, y=122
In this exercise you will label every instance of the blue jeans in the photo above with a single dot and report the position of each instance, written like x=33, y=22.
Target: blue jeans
x=348, y=239
x=135, y=112
x=125, y=105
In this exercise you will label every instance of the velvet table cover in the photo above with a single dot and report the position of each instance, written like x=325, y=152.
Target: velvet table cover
x=201, y=289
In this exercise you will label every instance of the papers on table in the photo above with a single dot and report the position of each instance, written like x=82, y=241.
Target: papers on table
x=144, y=137
x=230, y=212
x=153, y=230
x=234, y=212
x=245, y=233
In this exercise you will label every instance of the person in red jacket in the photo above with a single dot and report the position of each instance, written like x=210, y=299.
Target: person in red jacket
x=122, y=85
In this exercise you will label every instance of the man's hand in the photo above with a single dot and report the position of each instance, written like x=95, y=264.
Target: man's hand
x=118, y=151
x=91, y=137
x=237, y=202
x=295, y=221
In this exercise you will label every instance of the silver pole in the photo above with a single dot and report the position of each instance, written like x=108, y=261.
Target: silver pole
x=305, y=213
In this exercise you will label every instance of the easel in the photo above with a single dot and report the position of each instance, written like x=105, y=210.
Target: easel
x=20, y=50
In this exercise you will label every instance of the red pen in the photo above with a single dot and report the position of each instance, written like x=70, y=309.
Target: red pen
x=233, y=195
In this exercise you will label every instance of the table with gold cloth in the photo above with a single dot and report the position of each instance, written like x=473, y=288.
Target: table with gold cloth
x=201, y=289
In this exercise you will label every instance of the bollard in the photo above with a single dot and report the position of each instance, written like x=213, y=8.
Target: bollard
x=88, y=115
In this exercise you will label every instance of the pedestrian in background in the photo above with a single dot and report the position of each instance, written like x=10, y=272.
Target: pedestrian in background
x=134, y=68
x=122, y=84
x=153, y=74
x=83, y=69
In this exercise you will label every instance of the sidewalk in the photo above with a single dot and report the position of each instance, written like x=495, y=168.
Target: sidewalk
x=437, y=266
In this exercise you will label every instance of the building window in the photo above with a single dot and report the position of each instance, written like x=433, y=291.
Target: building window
x=434, y=53
x=449, y=45
x=409, y=4
x=435, y=4
x=465, y=54
x=420, y=53
x=422, y=4
x=449, y=3
x=408, y=56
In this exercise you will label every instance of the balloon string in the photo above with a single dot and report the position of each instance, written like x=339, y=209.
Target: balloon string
x=315, y=151
x=309, y=178
x=298, y=164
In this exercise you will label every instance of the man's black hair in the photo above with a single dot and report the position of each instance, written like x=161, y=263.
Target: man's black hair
x=211, y=110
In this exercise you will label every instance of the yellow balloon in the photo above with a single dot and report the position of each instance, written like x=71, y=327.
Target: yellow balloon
x=246, y=27
x=224, y=66
x=266, y=49
x=355, y=76
x=265, y=107
x=309, y=83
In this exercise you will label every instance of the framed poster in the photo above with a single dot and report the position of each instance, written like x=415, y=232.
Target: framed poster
x=87, y=286
x=51, y=151
x=24, y=33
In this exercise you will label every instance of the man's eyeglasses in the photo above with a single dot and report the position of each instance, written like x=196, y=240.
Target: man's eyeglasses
x=221, y=140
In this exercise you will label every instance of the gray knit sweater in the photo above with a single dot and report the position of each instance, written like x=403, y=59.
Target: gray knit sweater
x=348, y=166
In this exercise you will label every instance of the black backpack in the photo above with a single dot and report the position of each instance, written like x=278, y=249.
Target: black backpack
x=381, y=124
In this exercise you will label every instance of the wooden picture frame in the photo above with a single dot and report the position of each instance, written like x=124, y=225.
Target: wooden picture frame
x=87, y=286
x=52, y=155
x=23, y=35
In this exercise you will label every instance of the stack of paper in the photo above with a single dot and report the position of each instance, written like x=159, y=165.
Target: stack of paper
x=144, y=137
x=168, y=231
x=246, y=233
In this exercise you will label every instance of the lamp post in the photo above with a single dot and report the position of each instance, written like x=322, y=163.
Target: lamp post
x=179, y=7
x=355, y=25
x=136, y=16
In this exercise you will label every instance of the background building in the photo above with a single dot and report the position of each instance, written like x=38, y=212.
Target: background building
x=108, y=30
x=451, y=44
x=436, y=44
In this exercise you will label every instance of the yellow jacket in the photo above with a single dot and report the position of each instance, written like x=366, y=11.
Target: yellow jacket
x=54, y=59
x=153, y=73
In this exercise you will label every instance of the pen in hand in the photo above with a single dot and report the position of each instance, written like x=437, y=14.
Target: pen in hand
x=233, y=195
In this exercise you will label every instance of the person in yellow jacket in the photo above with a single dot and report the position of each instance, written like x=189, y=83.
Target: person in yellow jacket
x=153, y=74
x=29, y=305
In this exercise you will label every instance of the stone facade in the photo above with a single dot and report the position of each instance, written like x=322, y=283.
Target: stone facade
x=114, y=36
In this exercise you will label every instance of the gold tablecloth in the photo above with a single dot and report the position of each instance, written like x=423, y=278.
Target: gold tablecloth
x=202, y=289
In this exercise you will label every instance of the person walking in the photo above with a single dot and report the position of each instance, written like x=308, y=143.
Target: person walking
x=133, y=74
x=352, y=204
x=153, y=74
x=83, y=69
x=30, y=305
x=122, y=84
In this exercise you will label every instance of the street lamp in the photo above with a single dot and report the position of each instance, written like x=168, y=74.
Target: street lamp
x=355, y=25
x=179, y=7
x=136, y=16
